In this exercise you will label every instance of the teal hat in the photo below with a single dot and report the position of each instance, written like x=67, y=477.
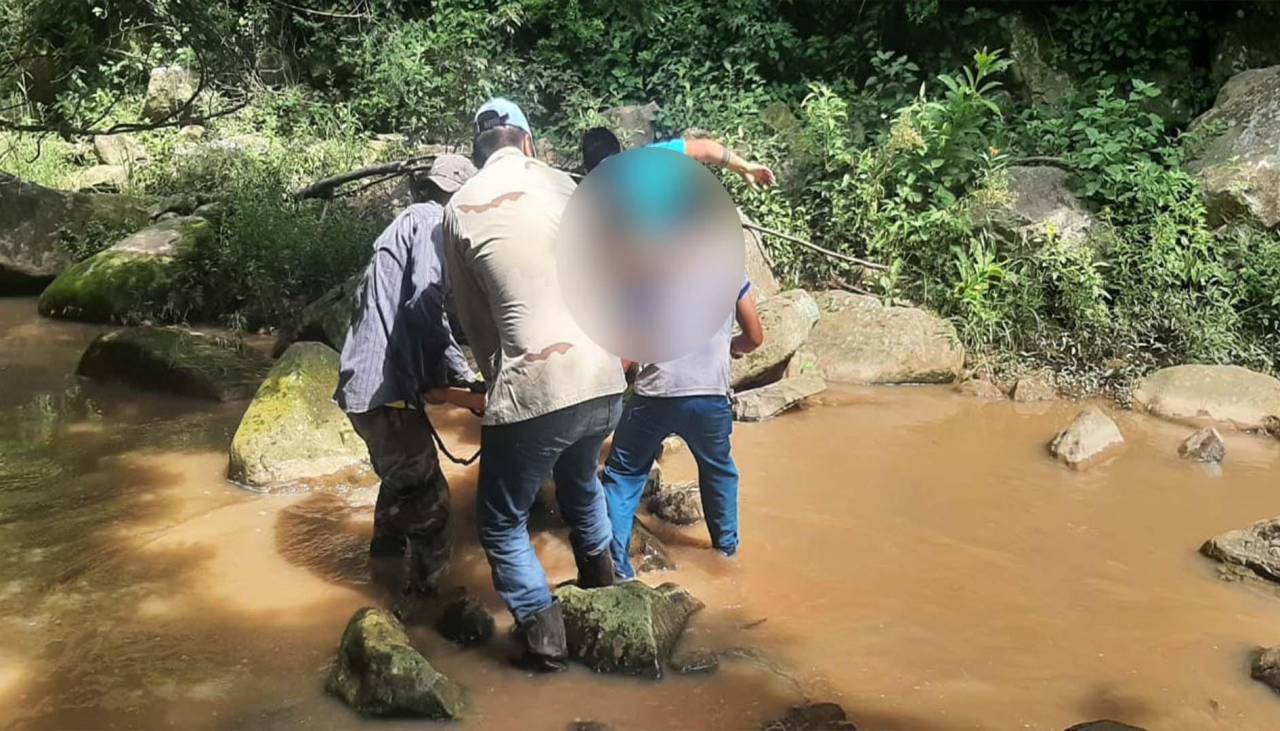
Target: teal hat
x=498, y=112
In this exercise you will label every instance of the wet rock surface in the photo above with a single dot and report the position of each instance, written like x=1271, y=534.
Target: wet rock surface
x=1256, y=547
x=1033, y=388
x=1104, y=725
x=175, y=360
x=1229, y=395
x=679, y=503
x=1090, y=435
x=465, y=620
x=292, y=432
x=787, y=319
x=1204, y=445
x=694, y=661
x=628, y=628
x=379, y=673
x=766, y=402
x=979, y=388
x=1265, y=666
x=647, y=552
x=812, y=717
x=860, y=341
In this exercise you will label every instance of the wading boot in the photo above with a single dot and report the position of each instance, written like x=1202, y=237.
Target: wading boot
x=545, y=648
x=595, y=571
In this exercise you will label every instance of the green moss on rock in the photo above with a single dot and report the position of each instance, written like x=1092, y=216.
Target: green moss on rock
x=629, y=628
x=176, y=361
x=292, y=433
x=379, y=673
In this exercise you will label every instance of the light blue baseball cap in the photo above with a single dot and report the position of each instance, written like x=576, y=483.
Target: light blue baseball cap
x=499, y=111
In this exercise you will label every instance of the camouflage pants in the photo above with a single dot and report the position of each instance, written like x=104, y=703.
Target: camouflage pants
x=411, y=517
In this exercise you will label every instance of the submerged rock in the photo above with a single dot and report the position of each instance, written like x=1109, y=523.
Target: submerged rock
x=1266, y=666
x=694, y=662
x=1088, y=437
x=1205, y=445
x=175, y=360
x=465, y=621
x=1104, y=725
x=327, y=319
x=1033, y=388
x=292, y=431
x=787, y=319
x=1240, y=168
x=647, y=552
x=129, y=280
x=588, y=726
x=858, y=340
x=1256, y=547
x=979, y=388
x=680, y=503
x=812, y=717
x=1230, y=395
x=628, y=628
x=766, y=402
x=36, y=222
x=379, y=673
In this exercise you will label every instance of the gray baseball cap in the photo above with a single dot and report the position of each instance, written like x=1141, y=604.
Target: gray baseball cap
x=449, y=172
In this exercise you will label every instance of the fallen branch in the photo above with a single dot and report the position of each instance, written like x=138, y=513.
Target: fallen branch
x=827, y=252
x=325, y=187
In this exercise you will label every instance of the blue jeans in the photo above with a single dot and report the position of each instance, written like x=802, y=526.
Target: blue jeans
x=514, y=463
x=704, y=423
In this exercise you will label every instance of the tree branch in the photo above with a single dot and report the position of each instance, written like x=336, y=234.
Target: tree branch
x=325, y=187
x=827, y=252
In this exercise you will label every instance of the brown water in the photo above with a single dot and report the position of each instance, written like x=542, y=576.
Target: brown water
x=909, y=553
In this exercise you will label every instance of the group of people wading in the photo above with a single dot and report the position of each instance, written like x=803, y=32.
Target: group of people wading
x=479, y=247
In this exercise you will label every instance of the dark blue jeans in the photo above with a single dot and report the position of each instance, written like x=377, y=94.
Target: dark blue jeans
x=704, y=423
x=514, y=462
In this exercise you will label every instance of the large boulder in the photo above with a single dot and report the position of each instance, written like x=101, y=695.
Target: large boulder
x=1089, y=436
x=1031, y=50
x=859, y=340
x=101, y=179
x=379, y=673
x=1040, y=206
x=787, y=319
x=633, y=124
x=36, y=222
x=292, y=434
x=1240, y=168
x=628, y=628
x=327, y=319
x=175, y=360
x=1256, y=547
x=1229, y=395
x=168, y=90
x=766, y=402
x=129, y=280
x=763, y=281
x=120, y=149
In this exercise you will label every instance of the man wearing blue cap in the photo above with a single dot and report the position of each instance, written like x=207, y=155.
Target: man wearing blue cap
x=554, y=396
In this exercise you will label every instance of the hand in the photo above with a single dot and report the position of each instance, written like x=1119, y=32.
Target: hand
x=757, y=175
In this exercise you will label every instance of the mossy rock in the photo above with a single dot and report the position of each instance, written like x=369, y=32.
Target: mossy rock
x=379, y=673
x=175, y=360
x=629, y=628
x=293, y=435
x=129, y=280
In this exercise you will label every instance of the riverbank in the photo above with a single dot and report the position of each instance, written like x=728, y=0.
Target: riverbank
x=910, y=553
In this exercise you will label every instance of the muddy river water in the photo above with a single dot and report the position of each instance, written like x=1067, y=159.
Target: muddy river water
x=907, y=552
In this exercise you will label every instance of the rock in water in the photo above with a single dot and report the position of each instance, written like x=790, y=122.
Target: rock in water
x=1239, y=170
x=1256, y=547
x=646, y=552
x=379, y=673
x=628, y=628
x=767, y=402
x=979, y=388
x=1104, y=725
x=129, y=280
x=465, y=621
x=175, y=360
x=1033, y=388
x=168, y=89
x=1205, y=445
x=327, y=319
x=860, y=341
x=1088, y=437
x=813, y=717
x=1266, y=666
x=1230, y=395
x=36, y=221
x=680, y=503
x=787, y=319
x=292, y=431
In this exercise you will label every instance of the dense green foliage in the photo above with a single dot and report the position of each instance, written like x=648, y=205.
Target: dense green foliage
x=890, y=125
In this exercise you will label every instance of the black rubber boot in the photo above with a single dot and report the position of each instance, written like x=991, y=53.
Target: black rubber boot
x=595, y=571
x=545, y=648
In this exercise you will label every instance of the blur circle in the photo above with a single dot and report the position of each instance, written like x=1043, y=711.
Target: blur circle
x=650, y=255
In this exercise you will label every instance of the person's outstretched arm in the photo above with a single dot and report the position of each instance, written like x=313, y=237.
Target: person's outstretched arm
x=710, y=152
x=752, y=335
